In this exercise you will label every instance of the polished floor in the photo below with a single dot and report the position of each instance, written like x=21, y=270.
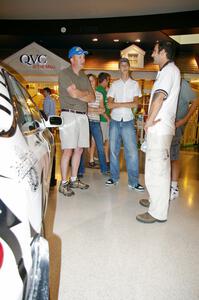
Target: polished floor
x=99, y=251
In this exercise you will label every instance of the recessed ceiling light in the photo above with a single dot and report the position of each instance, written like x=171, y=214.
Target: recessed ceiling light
x=137, y=40
x=116, y=40
x=95, y=40
x=63, y=29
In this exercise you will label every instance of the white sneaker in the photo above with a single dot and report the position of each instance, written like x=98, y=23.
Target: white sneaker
x=174, y=193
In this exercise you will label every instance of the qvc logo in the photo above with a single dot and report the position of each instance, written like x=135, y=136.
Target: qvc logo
x=33, y=59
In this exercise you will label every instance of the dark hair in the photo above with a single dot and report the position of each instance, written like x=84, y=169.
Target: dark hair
x=169, y=48
x=48, y=90
x=103, y=76
x=125, y=60
x=90, y=74
x=94, y=76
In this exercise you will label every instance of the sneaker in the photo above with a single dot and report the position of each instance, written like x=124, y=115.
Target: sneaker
x=78, y=184
x=111, y=182
x=65, y=189
x=138, y=187
x=174, y=193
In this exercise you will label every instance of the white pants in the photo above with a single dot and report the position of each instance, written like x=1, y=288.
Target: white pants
x=158, y=174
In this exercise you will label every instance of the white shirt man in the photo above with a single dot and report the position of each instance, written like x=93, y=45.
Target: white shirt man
x=122, y=97
x=167, y=82
x=123, y=92
x=160, y=128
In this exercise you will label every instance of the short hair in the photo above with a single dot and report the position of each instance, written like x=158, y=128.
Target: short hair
x=48, y=90
x=124, y=59
x=169, y=48
x=103, y=76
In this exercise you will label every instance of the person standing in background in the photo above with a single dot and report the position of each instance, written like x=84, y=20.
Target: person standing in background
x=49, y=103
x=75, y=93
x=160, y=128
x=184, y=112
x=94, y=110
x=49, y=110
x=103, y=85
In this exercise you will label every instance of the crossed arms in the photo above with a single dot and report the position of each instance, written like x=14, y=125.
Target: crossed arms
x=131, y=104
x=84, y=95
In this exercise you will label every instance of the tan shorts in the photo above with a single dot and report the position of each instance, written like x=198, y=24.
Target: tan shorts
x=75, y=131
x=105, y=130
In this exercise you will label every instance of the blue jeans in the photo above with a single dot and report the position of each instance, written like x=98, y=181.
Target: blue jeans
x=124, y=132
x=96, y=132
x=81, y=169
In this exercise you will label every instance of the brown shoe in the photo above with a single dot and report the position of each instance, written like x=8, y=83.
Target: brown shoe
x=65, y=189
x=147, y=218
x=77, y=184
x=144, y=202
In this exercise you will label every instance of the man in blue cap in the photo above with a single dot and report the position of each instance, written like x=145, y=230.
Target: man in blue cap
x=75, y=92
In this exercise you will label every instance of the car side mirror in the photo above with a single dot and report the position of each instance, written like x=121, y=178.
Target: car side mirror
x=54, y=121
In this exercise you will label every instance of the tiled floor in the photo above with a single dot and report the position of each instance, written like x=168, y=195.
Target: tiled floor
x=103, y=253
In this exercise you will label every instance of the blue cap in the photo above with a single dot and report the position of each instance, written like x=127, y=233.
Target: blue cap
x=76, y=51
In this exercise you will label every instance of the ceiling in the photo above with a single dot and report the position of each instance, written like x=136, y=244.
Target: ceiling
x=60, y=24
x=77, y=9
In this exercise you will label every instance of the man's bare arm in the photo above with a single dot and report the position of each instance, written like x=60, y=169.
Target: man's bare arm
x=190, y=112
x=86, y=96
x=96, y=110
x=131, y=104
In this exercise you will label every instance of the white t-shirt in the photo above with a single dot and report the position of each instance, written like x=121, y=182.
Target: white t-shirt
x=168, y=82
x=123, y=91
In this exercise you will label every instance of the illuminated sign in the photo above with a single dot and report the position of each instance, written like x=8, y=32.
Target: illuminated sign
x=30, y=59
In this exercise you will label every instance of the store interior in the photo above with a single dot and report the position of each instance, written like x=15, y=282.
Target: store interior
x=97, y=248
x=36, y=77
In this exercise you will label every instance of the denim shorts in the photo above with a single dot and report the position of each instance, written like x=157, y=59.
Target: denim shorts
x=175, y=144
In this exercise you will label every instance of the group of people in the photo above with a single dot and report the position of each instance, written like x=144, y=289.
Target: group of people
x=99, y=117
x=84, y=105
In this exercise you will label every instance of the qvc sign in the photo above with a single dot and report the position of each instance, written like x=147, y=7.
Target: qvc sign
x=30, y=59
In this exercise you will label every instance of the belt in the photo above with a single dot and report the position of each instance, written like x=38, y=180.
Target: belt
x=74, y=111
